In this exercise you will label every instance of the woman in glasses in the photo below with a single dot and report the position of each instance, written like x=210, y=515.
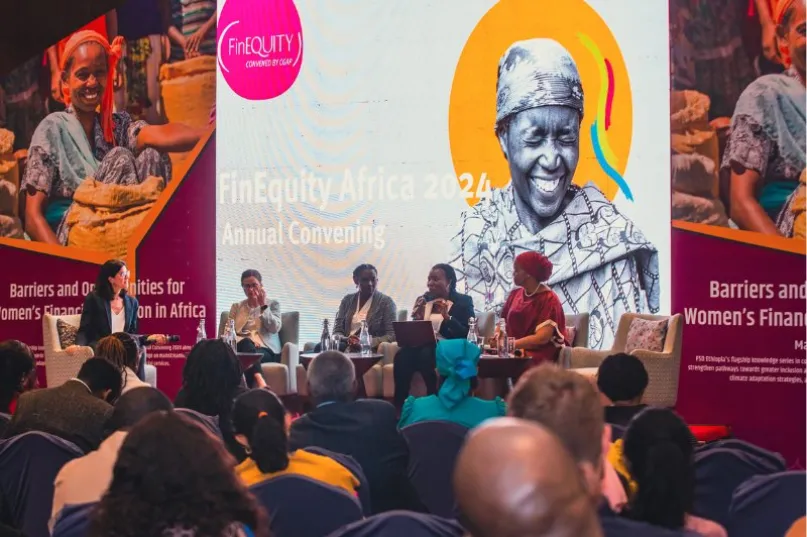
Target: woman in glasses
x=257, y=323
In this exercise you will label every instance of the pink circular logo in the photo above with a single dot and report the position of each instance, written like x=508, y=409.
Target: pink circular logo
x=260, y=47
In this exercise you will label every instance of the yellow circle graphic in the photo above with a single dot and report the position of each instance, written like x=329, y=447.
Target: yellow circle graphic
x=605, y=135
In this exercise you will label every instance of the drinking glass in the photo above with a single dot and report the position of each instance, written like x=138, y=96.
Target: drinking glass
x=511, y=346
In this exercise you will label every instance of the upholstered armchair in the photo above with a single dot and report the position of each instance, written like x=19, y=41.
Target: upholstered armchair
x=281, y=378
x=61, y=366
x=662, y=367
x=580, y=324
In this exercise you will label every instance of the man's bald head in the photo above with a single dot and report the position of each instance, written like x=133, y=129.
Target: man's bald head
x=514, y=478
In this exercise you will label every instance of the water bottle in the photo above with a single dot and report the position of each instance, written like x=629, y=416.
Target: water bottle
x=200, y=331
x=501, y=344
x=325, y=338
x=364, y=339
x=232, y=340
x=473, y=332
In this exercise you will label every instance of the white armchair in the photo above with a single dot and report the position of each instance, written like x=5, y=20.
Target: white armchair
x=662, y=367
x=59, y=365
x=281, y=378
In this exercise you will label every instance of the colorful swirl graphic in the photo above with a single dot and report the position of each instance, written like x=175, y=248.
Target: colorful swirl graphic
x=599, y=137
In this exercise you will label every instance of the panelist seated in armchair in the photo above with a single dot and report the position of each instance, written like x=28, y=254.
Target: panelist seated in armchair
x=533, y=313
x=257, y=324
x=109, y=309
x=367, y=304
x=449, y=312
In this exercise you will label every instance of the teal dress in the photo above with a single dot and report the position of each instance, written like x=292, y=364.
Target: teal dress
x=469, y=412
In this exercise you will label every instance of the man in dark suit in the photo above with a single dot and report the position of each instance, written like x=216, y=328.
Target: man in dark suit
x=76, y=411
x=365, y=429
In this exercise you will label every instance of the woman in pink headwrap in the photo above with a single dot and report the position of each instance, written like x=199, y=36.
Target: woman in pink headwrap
x=533, y=312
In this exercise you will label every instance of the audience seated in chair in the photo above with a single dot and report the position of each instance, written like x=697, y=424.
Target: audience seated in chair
x=622, y=380
x=261, y=424
x=86, y=479
x=173, y=478
x=568, y=404
x=17, y=373
x=457, y=361
x=514, y=478
x=658, y=450
x=211, y=380
x=76, y=411
x=121, y=350
x=365, y=429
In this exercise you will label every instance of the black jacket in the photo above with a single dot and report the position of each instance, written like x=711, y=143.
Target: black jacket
x=96, y=318
x=462, y=309
x=367, y=430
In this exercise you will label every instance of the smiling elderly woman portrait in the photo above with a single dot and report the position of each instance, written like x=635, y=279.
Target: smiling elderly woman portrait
x=602, y=263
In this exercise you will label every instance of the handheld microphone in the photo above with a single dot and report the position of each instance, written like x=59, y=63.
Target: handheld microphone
x=144, y=340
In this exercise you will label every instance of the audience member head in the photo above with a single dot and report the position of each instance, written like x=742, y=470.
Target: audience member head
x=331, y=378
x=17, y=371
x=135, y=405
x=658, y=450
x=567, y=404
x=211, y=377
x=172, y=475
x=113, y=279
x=102, y=378
x=623, y=379
x=514, y=478
x=365, y=276
x=531, y=268
x=112, y=350
x=132, y=348
x=442, y=281
x=261, y=425
x=456, y=361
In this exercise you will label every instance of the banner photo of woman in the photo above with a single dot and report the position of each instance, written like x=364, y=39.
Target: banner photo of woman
x=460, y=133
x=100, y=125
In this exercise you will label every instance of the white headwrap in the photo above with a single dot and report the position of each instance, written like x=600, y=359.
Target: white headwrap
x=537, y=72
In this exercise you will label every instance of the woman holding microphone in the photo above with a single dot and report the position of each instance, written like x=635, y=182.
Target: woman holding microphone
x=109, y=309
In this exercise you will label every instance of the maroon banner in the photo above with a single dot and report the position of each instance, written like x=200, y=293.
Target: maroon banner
x=174, y=276
x=743, y=362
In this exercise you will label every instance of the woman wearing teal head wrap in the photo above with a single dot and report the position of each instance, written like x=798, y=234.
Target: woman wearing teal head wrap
x=457, y=361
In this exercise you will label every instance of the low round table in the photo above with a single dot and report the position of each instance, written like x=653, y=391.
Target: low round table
x=361, y=363
x=492, y=366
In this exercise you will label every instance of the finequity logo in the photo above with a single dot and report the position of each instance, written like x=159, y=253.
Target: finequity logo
x=260, y=47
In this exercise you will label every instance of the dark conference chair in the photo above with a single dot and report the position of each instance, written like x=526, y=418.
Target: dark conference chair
x=302, y=507
x=74, y=521
x=773, y=461
x=355, y=468
x=767, y=505
x=402, y=524
x=211, y=423
x=29, y=464
x=433, y=450
x=718, y=473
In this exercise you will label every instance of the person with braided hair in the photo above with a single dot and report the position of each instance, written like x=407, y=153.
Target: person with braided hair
x=88, y=140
